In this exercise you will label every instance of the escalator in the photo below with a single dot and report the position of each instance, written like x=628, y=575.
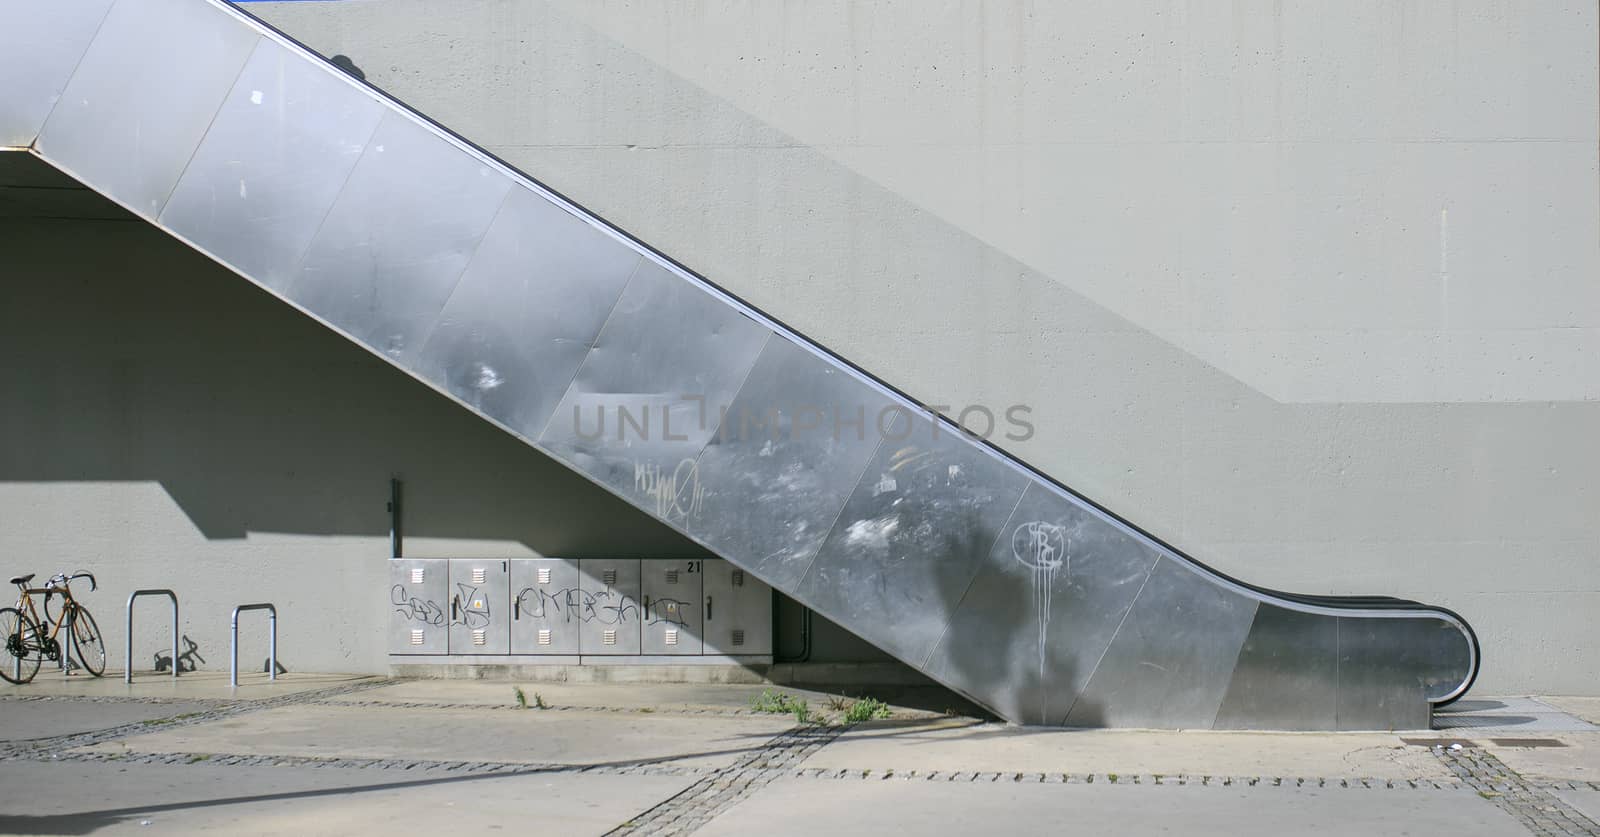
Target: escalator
x=780, y=456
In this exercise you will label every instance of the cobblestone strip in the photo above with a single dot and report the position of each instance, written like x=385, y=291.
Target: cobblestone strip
x=726, y=787
x=57, y=743
x=639, y=768
x=116, y=699
x=1030, y=777
x=1539, y=810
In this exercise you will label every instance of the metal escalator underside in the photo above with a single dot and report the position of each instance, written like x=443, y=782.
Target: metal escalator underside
x=778, y=455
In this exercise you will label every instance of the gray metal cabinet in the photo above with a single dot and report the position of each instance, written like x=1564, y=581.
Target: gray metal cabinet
x=480, y=606
x=546, y=604
x=738, y=611
x=672, y=615
x=419, y=606
x=608, y=606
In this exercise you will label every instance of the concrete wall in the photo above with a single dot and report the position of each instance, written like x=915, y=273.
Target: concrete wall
x=1311, y=290
x=168, y=425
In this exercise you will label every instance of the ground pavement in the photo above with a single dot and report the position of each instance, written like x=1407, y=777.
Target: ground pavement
x=326, y=754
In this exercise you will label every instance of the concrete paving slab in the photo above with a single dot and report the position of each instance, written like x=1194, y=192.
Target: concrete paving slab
x=1578, y=761
x=667, y=697
x=1587, y=708
x=1586, y=801
x=847, y=807
x=530, y=736
x=1508, y=716
x=953, y=745
x=196, y=685
x=23, y=720
x=303, y=801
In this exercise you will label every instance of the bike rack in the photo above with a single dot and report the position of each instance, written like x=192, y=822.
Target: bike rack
x=127, y=669
x=233, y=642
x=67, y=644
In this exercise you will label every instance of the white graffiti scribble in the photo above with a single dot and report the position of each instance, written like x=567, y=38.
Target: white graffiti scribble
x=1042, y=547
x=678, y=494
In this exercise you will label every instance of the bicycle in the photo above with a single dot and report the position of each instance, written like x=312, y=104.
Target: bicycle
x=30, y=640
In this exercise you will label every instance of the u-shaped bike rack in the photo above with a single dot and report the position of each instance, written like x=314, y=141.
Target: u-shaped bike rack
x=127, y=667
x=233, y=642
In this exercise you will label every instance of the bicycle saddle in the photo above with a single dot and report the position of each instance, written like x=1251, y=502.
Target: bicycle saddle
x=23, y=579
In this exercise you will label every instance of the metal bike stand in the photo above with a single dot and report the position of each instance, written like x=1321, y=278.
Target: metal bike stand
x=67, y=644
x=233, y=642
x=127, y=667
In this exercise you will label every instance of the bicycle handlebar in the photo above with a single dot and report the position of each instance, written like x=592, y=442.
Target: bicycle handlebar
x=62, y=580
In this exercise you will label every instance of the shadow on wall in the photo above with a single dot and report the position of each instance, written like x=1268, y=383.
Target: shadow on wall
x=134, y=358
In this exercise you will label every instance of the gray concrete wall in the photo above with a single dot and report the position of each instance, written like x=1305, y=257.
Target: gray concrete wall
x=1311, y=290
x=166, y=424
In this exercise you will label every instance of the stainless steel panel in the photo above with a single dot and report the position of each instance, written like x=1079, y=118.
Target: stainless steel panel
x=914, y=533
x=284, y=142
x=397, y=239
x=673, y=617
x=419, y=605
x=649, y=395
x=143, y=95
x=1043, y=608
x=40, y=46
x=480, y=606
x=1381, y=665
x=1171, y=660
x=1286, y=677
x=526, y=312
x=738, y=611
x=545, y=606
x=1444, y=655
x=608, y=606
x=784, y=461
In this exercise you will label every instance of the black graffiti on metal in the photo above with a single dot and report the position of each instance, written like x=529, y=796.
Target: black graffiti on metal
x=665, y=612
x=415, y=609
x=574, y=604
x=474, y=613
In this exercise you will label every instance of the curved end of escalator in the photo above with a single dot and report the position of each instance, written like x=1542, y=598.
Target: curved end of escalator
x=1458, y=670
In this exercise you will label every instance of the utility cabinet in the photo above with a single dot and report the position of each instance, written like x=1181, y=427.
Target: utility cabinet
x=418, y=594
x=480, y=606
x=545, y=606
x=609, y=606
x=738, y=611
x=470, y=610
x=672, y=613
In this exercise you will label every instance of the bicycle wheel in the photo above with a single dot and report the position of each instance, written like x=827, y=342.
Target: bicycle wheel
x=19, y=659
x=91, y=643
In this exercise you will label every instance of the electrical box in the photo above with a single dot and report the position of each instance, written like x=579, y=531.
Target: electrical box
x=738, y=611
x=419, y=606
x=546, y=606
x=480, y=606
x=471, y=608
x=608, y=607
x=672, y=614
